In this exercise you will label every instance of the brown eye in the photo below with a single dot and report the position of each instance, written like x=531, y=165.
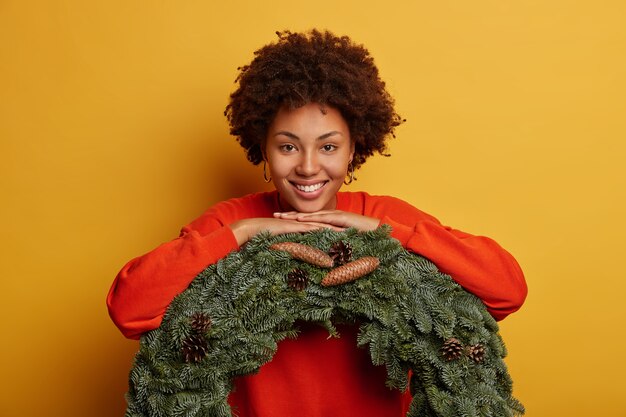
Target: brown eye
x=329, y=147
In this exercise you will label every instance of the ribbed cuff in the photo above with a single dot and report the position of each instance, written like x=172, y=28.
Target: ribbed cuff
x=399, y=231
x=222, y=241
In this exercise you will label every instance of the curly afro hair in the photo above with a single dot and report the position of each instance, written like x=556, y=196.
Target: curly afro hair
x=318, y=67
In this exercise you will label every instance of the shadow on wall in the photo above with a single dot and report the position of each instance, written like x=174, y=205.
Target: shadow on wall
x=109, y=372
x=229, y=174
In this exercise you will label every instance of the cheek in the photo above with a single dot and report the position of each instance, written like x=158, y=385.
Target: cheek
x=339, y=171
x=278, y=167
x=339, y=167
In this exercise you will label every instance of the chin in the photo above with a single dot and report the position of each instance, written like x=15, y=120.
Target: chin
x=307, y=207
x=310, y=206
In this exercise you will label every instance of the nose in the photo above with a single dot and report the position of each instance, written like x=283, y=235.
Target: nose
x=308, y=165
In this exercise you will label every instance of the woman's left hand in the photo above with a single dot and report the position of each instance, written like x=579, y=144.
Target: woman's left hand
x=336, y=218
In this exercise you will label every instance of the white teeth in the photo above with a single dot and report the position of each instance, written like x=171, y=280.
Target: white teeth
x=309, y=188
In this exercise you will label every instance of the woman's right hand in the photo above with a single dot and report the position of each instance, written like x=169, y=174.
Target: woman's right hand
x=245, y=229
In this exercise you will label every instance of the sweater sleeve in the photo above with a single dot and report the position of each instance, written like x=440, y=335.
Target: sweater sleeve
x=477, y=263
x=146, y=285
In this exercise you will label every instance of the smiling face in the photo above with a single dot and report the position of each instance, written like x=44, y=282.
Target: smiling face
x=308, y=151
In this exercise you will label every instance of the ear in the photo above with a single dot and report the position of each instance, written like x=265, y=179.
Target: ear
x=352, y=147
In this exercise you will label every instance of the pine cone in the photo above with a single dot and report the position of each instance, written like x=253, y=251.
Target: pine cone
x=200, y=323
x=452, y=349
x=194, y=348
x=351, y=271
x=297, y=279
x=305, y=253
x=476, y=353
x=341, y=253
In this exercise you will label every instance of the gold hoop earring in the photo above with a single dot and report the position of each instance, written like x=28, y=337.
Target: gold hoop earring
x=350, y=175
x=265, y=174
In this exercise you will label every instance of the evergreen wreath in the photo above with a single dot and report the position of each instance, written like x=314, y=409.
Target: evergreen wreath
x=228, y=322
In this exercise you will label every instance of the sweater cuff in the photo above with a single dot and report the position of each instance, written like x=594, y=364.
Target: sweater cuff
x=221, y=242
x=399, y=231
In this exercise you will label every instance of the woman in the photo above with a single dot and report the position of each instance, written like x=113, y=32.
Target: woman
x=312, y=109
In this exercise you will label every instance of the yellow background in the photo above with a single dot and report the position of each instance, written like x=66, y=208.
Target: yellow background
x=112, y=138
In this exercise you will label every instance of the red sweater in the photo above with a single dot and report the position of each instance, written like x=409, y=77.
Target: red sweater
x=313, y=375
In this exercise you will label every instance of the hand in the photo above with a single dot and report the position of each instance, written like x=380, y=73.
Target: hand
x=245, y=229
x=336, y=218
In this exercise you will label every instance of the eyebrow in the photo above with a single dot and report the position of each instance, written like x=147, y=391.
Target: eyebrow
x=293, y=136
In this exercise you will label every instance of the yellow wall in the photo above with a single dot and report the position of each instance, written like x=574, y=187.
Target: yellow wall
x=112, y=137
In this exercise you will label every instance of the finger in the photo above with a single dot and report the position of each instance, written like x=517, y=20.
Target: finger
x=298, y=214
x=316, y=213
x=328, y=218
x=285, y=214
x=303, y=217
